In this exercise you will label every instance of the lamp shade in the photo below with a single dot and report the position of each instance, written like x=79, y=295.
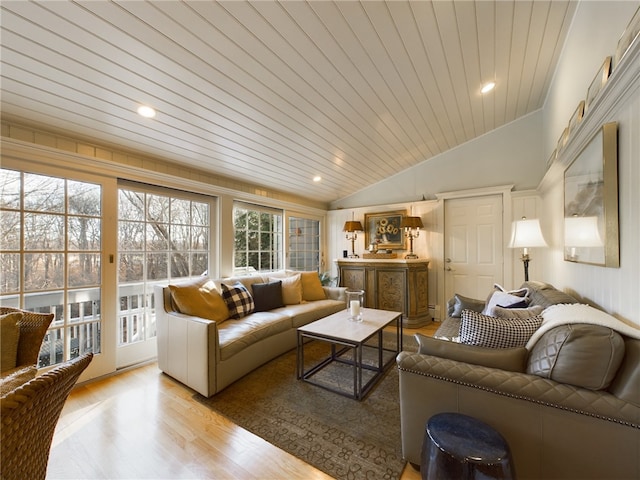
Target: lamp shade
x=352, y=226
x=582, y=232
x=411, y=222
x=527, y=234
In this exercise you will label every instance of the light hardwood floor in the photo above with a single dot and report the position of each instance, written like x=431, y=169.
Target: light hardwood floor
x=141, y=424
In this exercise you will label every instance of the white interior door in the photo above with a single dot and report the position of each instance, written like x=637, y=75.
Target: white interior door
x=473, y=245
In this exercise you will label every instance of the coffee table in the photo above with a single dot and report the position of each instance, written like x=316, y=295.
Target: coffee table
x=353, y=344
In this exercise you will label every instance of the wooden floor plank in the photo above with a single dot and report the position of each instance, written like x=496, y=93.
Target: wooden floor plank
x=142, y=424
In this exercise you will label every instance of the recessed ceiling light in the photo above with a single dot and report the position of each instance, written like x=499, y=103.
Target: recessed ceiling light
x=488, y=87
x=317, y=178
x=146, y=112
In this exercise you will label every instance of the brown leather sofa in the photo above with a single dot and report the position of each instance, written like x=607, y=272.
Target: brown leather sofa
x=578, y=418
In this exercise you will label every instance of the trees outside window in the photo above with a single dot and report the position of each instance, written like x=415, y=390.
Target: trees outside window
x=258, y=238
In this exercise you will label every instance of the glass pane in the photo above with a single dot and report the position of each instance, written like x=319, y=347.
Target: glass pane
x=11, y=230
x=157, y=237
x=131, y=267
x=43, y=231
x=131, y=235
x=265, y=241
x=157, y=208
x=179, y=265
x=84, y=233
x=83, y=198
x=253, y=241
x=43, y=271
x=43, y=194
x=84, y=269
x=180, y=211
x=199, y=213
x=10, y=189
x=85, y=338
x=52, y=348
x=199, y=263
x=9, y=272
x=199, y=238
x=180, y=237
x=157, y=266
x=130, y=205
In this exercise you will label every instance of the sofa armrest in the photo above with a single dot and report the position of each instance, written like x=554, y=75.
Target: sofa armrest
x=510, y=359
x=336, y=293
x=522, y=386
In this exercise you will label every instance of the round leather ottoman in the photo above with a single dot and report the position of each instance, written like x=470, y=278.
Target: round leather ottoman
x=462, y=447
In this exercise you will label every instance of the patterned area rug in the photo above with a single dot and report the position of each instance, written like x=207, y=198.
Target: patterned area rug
x=344, y=438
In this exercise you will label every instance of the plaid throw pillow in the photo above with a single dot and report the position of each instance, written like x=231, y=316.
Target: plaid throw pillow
x=238, y=300
x=485, y=331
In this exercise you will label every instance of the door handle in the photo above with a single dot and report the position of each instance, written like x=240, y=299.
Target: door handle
x=449, y=269
x=448, y=260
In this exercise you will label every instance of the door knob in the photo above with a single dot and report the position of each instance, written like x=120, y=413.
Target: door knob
x=448, y=260
x=449, y=269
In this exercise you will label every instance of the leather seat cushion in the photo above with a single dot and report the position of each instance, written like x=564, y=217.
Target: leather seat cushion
x=236, y=335
x=583, y=355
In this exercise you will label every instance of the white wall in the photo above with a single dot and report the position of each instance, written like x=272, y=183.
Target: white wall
x=512, y=154
x=616, y=290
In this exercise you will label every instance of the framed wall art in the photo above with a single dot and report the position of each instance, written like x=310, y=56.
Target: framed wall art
x=630, y=34
x=591, y=202
x=384, y=229
x=598, y=82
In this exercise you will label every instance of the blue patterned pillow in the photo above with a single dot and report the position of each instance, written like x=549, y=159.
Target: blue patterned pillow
x=238, y=300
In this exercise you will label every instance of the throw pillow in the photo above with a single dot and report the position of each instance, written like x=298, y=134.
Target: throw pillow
x=238, y=300
x=311, y=287
x=517, y=312
x=579, y=354
x=486, y=331
x=461, y=303
x=199, y=298
x=9, y=337
x=500, y=296
x=17, y=379
x=291, y=289
x=267, y=296
x=511, y=359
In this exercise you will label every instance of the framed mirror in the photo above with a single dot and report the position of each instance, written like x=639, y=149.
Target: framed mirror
x=591, y=202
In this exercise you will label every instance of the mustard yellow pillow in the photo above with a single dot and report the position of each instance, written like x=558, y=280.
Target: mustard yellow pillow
x=200, y=298
x=311, y=287
x=9, y=336
x=291, y=289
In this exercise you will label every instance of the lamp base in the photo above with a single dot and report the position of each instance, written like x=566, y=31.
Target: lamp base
x=411, y=256
x=354, y=255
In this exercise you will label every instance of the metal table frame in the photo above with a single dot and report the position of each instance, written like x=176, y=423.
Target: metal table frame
x=340, y=346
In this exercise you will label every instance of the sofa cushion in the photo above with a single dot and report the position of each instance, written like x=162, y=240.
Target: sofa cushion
x=291, y=289
x=511, y=359
x=578, y=354
x=486, y=331
x=460, y=303
x=9, y=338
x=236, y=335
x=199, y=298
x=307, y=312
x=267, y=296
x=512, y=312
x=545, y=294
x=311, y=287
x=238, y=300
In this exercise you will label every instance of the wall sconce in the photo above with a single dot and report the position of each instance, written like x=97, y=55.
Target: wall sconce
x=526, y=234
x=581, y=232
x=412, y=226
x=352, y=228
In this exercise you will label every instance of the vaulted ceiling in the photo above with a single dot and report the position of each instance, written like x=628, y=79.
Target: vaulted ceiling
x=277, y=93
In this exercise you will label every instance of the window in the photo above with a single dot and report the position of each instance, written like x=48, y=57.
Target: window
x=51, y=258
x=258, y=238
x=162, y=235
x=304, y=244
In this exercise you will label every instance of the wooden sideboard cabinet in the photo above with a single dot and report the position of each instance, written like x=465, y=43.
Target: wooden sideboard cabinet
x=396, y=284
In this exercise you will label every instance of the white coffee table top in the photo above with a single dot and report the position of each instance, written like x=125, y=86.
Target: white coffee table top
x=339, y=326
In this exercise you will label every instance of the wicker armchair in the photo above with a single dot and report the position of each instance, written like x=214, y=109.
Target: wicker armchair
x=29, y=415
x=33, y=328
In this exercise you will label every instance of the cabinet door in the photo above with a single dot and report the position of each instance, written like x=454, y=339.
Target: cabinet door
x=352, y=277
x=391, y=291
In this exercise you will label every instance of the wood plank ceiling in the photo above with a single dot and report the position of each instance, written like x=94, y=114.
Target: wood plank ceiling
x=276, y=93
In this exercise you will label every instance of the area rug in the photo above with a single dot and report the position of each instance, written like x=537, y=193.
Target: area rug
x=345, y=438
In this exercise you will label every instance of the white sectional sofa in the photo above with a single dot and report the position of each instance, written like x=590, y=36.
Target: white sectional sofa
x=208, y=354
